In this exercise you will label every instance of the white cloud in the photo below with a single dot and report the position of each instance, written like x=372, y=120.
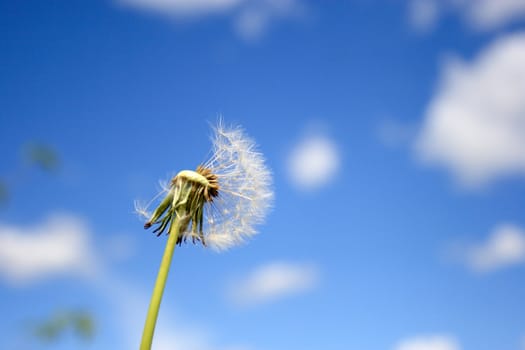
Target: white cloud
x=273, y=281
x=170, y=336
x=430, y=342
x=182, y=8
x=58, y=246
x=423, y=14
x=313, y=162
x=480, y=15
x=178, y=336
x=505, y=247
x=475, y=123
x=255, y=18
x=490, y=14
x=251, y=18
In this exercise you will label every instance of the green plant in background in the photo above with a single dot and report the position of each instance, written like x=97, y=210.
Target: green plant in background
x=218, y=205
x=53, y=328
x=42, y=156
x=34, y=154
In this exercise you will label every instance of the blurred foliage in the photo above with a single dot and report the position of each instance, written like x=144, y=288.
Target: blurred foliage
x=52, y=329
x=42, y=156
x=33, y=155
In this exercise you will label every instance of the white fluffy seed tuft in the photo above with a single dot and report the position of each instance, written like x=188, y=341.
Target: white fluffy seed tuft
x=245, y=193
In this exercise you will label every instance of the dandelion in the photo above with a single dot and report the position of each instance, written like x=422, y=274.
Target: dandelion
x=218, y=204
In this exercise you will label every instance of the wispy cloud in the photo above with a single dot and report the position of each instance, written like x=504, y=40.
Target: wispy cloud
x=490, y=14
x=313, y=162
x=423, y=14
x=481, y=15
x=119, y=247
x=184, y=338
x=394, y=133
x=504, y=247
x=273, y=281
x=174, y=331
x=429, y=342
x=250, y=18
x=257, y=16
x=475, y=123
x=61, y=245
x=183, y=8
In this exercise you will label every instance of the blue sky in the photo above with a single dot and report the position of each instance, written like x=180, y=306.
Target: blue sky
x=395, y=132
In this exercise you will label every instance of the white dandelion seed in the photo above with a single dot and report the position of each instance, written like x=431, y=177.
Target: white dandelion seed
x=222, y=201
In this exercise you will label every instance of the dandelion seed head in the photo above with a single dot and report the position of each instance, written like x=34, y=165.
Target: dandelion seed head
x=236, y=190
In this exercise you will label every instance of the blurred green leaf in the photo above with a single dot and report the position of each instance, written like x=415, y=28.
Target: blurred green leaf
x=84, y=325
x=52, y=329
x=42, y=156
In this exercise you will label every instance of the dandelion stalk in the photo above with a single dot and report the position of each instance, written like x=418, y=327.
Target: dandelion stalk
x=217, y=205
x=158, y=290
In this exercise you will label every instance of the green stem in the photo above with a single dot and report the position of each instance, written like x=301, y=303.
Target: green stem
x=158, y=290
